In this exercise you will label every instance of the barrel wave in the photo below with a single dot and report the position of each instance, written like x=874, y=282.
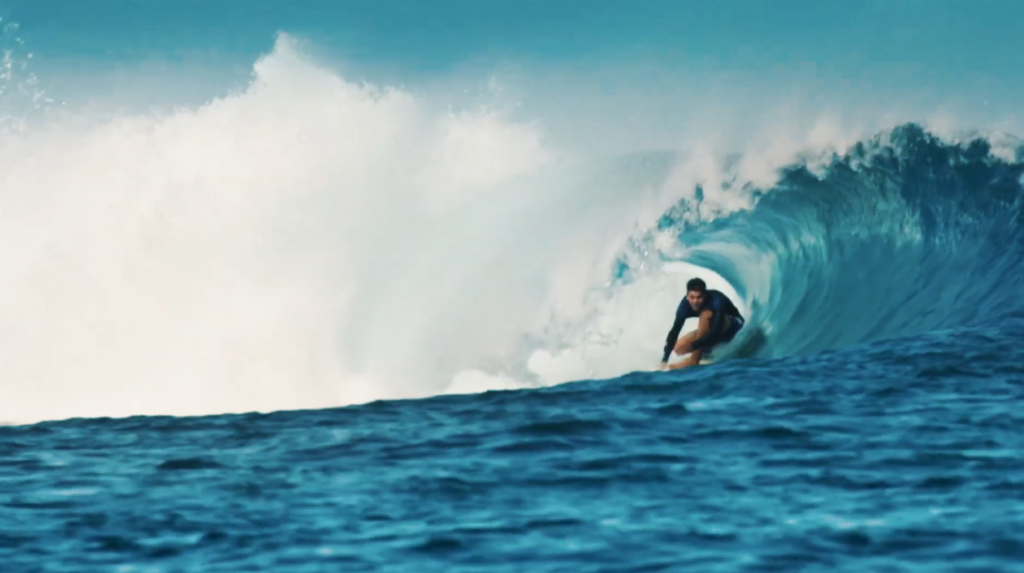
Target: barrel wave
x=903, y=234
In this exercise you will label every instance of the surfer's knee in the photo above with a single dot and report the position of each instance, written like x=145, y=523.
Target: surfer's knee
x=683, y=345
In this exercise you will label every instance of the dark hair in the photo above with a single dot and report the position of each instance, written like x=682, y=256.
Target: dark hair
x=696, y=285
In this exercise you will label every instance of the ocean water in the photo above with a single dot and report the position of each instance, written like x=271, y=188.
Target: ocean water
x=354, y=287
x=895, y=457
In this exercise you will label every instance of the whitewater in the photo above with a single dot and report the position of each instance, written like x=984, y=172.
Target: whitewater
x=315, y=321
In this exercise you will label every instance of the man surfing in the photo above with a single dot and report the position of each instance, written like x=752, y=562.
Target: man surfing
x=720, y=320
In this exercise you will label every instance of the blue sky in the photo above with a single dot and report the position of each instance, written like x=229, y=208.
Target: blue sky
x=948, y=36
x=966, y=51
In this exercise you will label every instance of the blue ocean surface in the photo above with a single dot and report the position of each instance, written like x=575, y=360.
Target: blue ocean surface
x=317, y=286
x=900, y=457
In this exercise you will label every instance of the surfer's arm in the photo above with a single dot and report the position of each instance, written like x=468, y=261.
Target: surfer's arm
x=673, y=334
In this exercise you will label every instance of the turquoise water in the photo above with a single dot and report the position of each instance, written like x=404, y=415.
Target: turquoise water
x=382, y=287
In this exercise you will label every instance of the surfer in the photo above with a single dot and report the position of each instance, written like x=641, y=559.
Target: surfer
x=720, y=320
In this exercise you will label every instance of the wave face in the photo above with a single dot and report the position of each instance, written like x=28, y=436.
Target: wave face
x=902, y=235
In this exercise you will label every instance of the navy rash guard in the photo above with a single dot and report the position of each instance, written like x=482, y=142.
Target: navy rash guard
x=715, y=301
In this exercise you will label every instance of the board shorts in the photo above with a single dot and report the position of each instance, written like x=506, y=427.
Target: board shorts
x=735, y=325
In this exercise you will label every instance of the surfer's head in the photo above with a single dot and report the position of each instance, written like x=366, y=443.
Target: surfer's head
x=695, y=293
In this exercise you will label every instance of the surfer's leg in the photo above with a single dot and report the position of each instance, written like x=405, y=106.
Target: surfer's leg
x=683, y=346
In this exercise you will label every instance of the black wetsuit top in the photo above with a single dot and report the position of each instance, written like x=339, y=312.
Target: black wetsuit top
x=714, y=300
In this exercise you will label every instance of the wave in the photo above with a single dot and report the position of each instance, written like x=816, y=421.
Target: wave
x=311, y=242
